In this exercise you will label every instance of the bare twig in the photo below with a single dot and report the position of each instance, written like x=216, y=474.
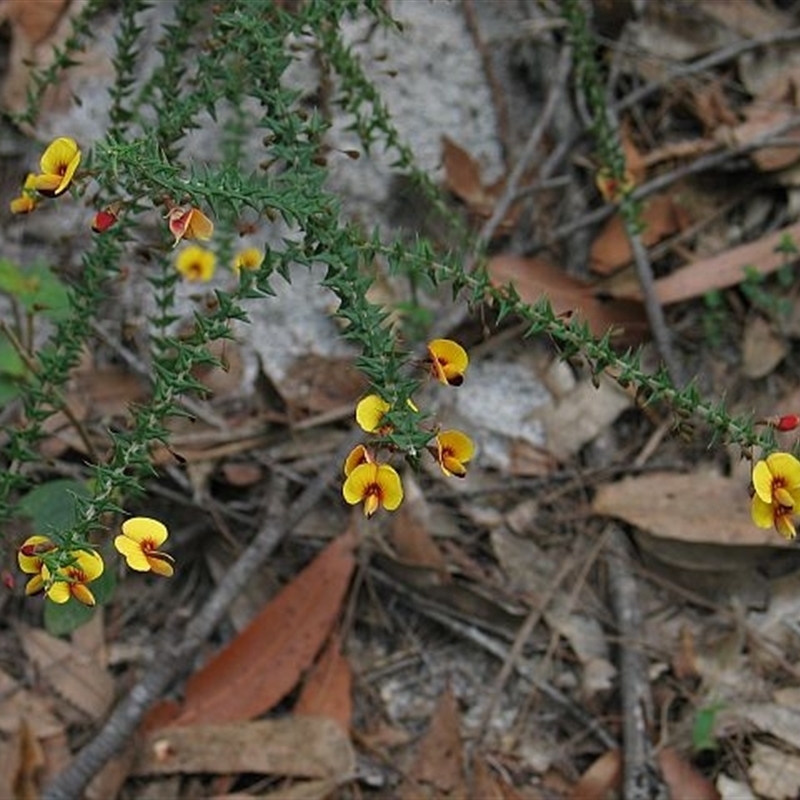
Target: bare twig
x=170, y=660
x=721, y=56
x=642, y=780
x=557, y=91
x=524, y=668
x=702, y=164
x=653, y=308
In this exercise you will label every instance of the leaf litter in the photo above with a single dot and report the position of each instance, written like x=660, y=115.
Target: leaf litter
x=403, y=627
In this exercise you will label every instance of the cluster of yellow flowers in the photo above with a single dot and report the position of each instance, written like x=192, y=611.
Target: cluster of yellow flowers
x=59, y=164
x=138, y=542
x=377, y=484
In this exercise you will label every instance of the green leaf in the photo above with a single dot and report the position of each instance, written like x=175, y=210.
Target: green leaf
x=53, y=505
x=9, y=389
x=703, y=729
x=45, y=293
x=10, y=361
x=60, y=619
x=12, y=281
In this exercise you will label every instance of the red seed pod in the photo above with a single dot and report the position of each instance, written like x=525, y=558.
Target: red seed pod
x=105, y=218
x=788, y=422
x=8, y=579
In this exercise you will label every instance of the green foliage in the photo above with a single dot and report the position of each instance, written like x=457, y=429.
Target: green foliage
x=703, y=737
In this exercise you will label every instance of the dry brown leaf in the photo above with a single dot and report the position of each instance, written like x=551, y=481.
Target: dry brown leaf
x=239, y=473
x=682, y=778
x=722, y=270
x=410, y=535
x=17, y=703
x=746, y=18
x=9, y=763
x=696, y=508
x=74, y=675
x=327, y=691
x=661, y=217
x=760, y=120
x=601, y=780
x=463, y=176
x=534, y=278
x=774, y=773
x=306, y=790
x=35, y=21
x=762, y=348
x=224, y=380
x=437, y=771
x=316, y=384
x=780, y=718
x=302, y=747
x=110, y=779
x=37, y=28
x=30, y=767
x=280, y=642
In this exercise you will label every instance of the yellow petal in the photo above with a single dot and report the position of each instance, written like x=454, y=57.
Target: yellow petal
x=32, y=564
x=134, y=555
x=58, y=592
x=449, y=360
x=196, y=263
x=785, y=526
x=358, y=483
x=23, y=204
x=145, y=528
x=249, y=258
x=60, y=151
x=786, y=466
x=161, y=564
x=391, y=487
x=47, y=184
x=358, y=455
x=61, y=160
x=370, y=411
x=761, y=512
x=762, y=481
x=89, y=563
x=34, y=585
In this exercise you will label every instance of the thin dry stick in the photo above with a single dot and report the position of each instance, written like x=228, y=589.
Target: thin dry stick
x=515, y=653
x=642, y=780
x=557, y=91
x=652, y=306
x=458, y=313
x=171, y=661
x=702, y=164
x=526, y=670
x=721, y=56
